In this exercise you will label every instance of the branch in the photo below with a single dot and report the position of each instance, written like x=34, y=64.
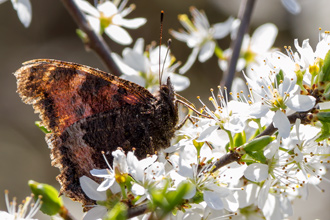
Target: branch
x=136, y=211
x=228, y=158
x=292, y=118
x=245, y=13
x=95, y=41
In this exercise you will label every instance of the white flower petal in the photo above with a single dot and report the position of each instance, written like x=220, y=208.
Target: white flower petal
x=181, y=36
x=191, y=192
x=95, y=23
x=281, y=121
x=100, y=172
x=129, y=23
x=135, y=60
x=219, y=190
x=138, y=189
x=139, y=46
x=258, y=110
x=86, y=7
x=124, y=68
x=271, y=208
x=263, y=38
x=206, y=51
x=206, y=133
x=213, y=200
x=223, y=29
x=189, y=154
x=236, y=123
x=24, y=11
x=179, y=82
x=205, y=152
x=106, y=184
x=89, y=187
x=264, y=193
x=118, y=34
x=96, y=213
x=107, y=8
x=191, y=60
x=256, y=172
x=248, y=196
x=230, y=203
x=301, y=103
x=292, y=6
x=286, y=205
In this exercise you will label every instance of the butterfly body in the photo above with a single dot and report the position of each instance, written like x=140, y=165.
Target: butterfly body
x=89, y=111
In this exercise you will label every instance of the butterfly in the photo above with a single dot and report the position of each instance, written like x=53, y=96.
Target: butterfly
x=88, y=111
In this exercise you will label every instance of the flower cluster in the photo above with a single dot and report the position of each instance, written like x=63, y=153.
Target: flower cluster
x=247, y=155
x=270, y=168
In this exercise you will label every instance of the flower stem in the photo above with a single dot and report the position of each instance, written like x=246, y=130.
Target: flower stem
x=64, y=213
x=244, y=15
x=95, y=41
x=231, y=140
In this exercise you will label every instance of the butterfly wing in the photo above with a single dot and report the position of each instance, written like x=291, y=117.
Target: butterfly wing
x=87, y=111
x=64, y=92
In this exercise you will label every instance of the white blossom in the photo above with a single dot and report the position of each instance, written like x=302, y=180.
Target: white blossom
x=109, y=17
x=200, y=36
x=144, y=68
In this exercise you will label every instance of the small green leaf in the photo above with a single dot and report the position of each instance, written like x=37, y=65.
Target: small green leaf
x=323, y=116
x=41, y=127
x=51, y=202
x=279, y=77
x=325, y=75
x=82, y=35
x=118, y=212
x=258, y=143
x=325, y=131
x=258, y=156
x=239, y=139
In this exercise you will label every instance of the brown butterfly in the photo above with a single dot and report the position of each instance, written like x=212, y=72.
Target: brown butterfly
x=89, y=111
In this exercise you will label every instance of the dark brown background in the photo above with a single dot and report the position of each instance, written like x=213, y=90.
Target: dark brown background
x=23, y=152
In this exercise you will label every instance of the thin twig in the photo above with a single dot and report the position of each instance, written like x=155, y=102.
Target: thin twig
x=228, y=158
x=64, y=213
x=245, y=13
x=136, y=211
x=292, y=118
x=95, y=41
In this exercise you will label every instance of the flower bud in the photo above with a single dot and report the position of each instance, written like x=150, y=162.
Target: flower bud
x=52, y=203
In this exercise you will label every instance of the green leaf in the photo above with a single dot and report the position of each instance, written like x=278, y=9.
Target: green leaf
x=258, y=156
x=239, y=139
x=51, y=202
x=279, y=77
x=325, y=75
x=82, y=35
x=248, y=159
x=258, y=144
x=323, y=116
x=325, y=131
x=118, y=212
x=41, y=127
x=165, y=202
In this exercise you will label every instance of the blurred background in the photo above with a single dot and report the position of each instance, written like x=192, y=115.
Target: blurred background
x=23, y=152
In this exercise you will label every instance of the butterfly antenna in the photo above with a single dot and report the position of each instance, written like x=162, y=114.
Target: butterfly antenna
x=167, y=52
x=160, y=44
